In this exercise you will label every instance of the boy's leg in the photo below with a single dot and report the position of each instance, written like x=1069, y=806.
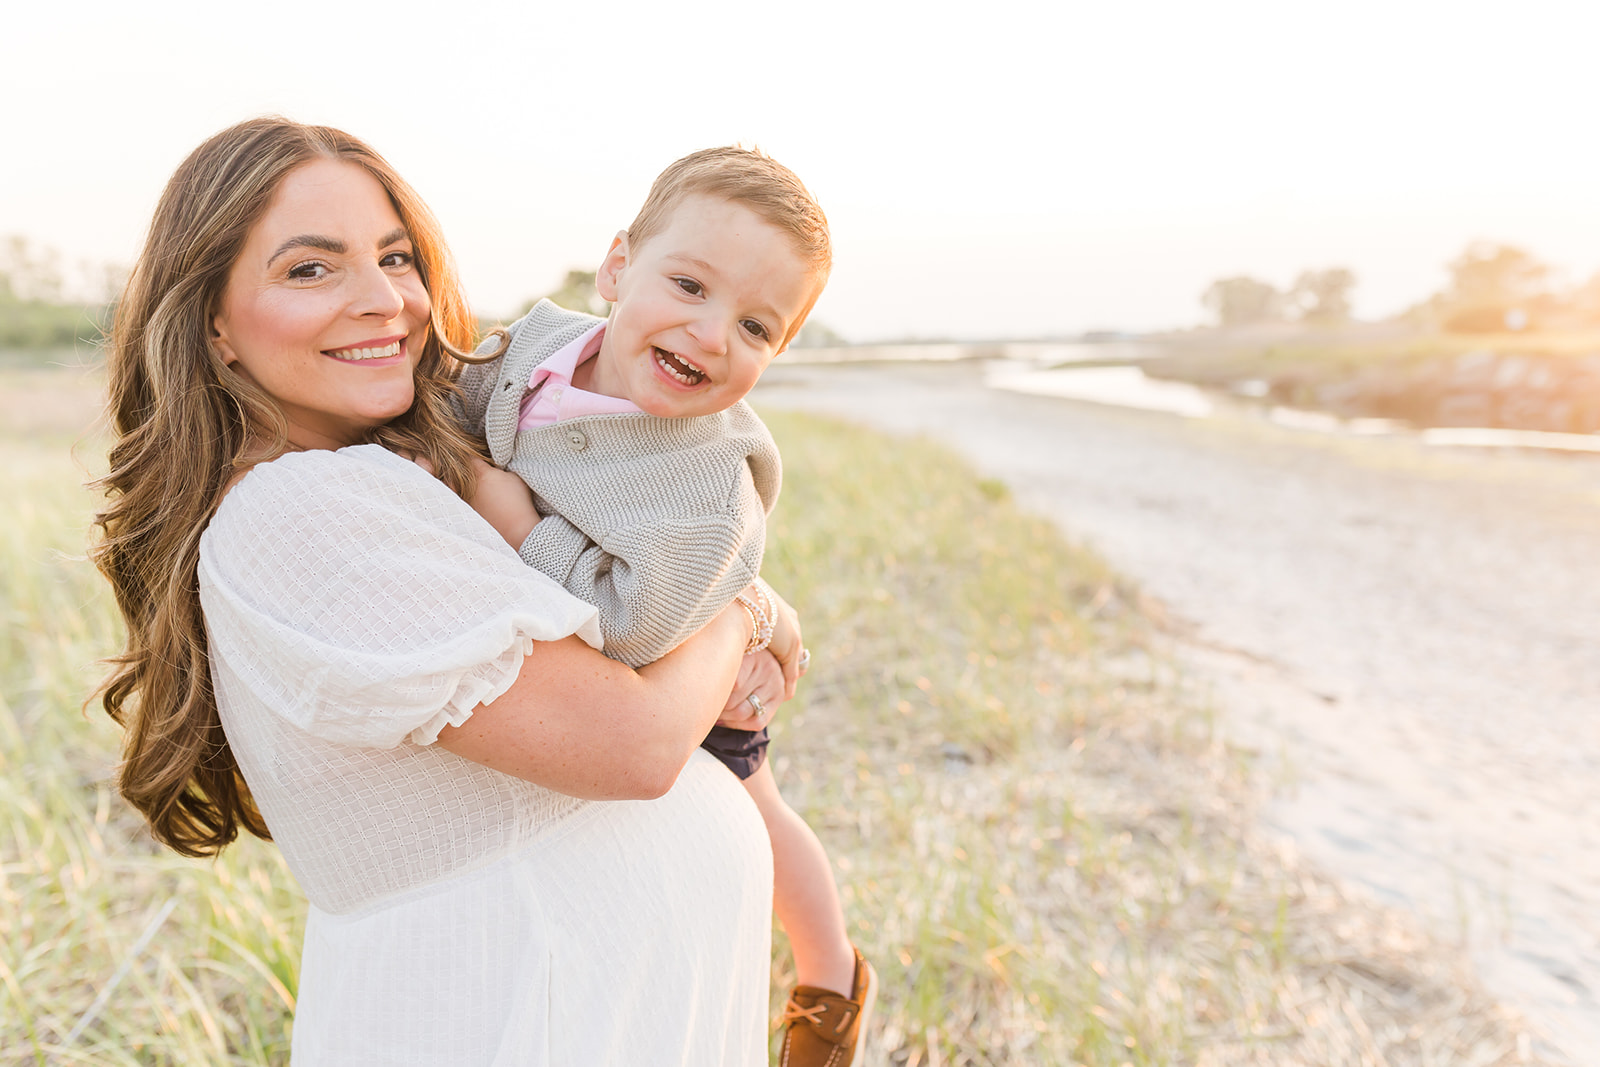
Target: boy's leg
x=803, y=892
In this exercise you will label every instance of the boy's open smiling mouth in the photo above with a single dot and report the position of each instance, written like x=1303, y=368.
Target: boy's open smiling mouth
x=679, y=369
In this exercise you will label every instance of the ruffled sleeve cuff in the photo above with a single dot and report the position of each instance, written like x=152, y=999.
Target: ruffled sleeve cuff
x=483, y=684
x=365, y=603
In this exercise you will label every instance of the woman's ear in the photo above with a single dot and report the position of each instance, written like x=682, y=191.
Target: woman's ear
x=605, y=279
x=219, y=342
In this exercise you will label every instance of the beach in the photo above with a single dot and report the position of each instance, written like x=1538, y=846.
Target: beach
x=1405, y=635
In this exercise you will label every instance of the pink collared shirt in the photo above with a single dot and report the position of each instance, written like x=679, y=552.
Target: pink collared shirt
x=551, y=396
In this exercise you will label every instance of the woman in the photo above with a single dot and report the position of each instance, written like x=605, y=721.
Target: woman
x=326, y=641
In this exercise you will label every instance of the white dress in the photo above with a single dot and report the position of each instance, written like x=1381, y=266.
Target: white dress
x=354, y=607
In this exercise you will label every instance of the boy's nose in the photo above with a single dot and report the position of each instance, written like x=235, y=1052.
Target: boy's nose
x=710, y=333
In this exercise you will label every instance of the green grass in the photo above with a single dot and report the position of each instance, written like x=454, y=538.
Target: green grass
x=79, y=880
x=79, y=353
x=1220, y=357
x=1528, y=381
x=1041, y=843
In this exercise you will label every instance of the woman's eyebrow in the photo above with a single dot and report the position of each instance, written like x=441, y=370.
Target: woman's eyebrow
x=309, y=240
x=333, y=244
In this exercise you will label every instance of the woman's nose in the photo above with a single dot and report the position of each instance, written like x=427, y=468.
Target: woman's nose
x=376, y=293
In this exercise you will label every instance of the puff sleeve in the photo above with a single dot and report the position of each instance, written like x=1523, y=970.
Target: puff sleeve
x=365, y=603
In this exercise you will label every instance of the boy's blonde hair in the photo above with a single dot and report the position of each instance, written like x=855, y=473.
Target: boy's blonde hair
x=750, y=177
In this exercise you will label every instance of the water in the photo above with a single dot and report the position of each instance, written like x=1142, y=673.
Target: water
x=1128, y=386
x=1124, y=386
x=1032, y=354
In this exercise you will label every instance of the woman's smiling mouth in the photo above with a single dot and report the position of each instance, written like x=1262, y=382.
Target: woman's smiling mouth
x=357, y=355
x=677, y=368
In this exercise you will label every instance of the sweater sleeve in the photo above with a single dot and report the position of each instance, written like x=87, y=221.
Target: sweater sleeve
x=663, y=575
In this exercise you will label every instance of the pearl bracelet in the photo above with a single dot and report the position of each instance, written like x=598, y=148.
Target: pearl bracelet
x=760, y=619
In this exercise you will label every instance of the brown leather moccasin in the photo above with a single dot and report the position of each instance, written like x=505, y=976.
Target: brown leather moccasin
x=824, y=1029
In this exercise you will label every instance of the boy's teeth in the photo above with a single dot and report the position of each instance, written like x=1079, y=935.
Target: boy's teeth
x=354, y=354
x=676, y=367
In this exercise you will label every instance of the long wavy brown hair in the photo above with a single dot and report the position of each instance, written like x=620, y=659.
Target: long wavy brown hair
x=185, y=425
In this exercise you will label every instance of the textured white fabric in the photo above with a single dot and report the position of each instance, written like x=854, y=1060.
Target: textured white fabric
x=354, y=607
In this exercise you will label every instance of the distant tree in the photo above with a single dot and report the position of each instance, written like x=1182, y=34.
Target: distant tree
x=1241, y=301
x=1493, y=287
x=577, y=293
x=816, y=334
x=33, y=312
x=1322, y=296
x=26, y=275
x=1584, y=301
x=1489, y=274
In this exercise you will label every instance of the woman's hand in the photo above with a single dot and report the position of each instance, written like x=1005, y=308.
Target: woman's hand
x=505, y=501
x=759, y=677
x=786, y=646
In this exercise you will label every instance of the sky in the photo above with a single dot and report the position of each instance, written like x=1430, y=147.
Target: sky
x=990, y=170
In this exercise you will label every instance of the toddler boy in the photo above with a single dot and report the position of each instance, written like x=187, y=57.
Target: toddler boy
x=653, y=478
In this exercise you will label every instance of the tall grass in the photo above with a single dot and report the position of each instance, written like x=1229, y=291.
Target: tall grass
x=1041, y=844
x=79, y=879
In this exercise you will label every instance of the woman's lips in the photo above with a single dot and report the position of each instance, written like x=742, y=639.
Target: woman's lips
x=387, y=351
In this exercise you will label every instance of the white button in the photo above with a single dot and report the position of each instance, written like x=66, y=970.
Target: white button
x=555, y=394
x=576, y=439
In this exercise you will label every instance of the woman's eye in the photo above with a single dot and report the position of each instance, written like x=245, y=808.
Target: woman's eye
x=398, y=259
x=690, y=286
x=308, y=271
x=756, y=329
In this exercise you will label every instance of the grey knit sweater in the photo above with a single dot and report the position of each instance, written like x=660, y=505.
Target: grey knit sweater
x=657, y=522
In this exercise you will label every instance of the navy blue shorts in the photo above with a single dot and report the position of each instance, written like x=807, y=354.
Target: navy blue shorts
x=741, y=751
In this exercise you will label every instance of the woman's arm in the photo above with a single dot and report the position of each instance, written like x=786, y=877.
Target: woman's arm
x=582, y=724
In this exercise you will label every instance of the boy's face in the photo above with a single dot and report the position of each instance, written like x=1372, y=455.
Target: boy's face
x=700, y=309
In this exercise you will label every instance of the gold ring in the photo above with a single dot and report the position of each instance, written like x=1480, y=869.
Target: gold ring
x=755, y=702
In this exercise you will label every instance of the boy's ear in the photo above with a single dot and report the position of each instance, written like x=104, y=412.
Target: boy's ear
x=605, y=279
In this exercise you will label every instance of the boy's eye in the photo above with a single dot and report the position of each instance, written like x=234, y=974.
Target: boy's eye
x=690, y=286
x=756, y=329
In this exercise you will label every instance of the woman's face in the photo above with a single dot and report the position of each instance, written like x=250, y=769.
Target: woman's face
x=324, y=308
